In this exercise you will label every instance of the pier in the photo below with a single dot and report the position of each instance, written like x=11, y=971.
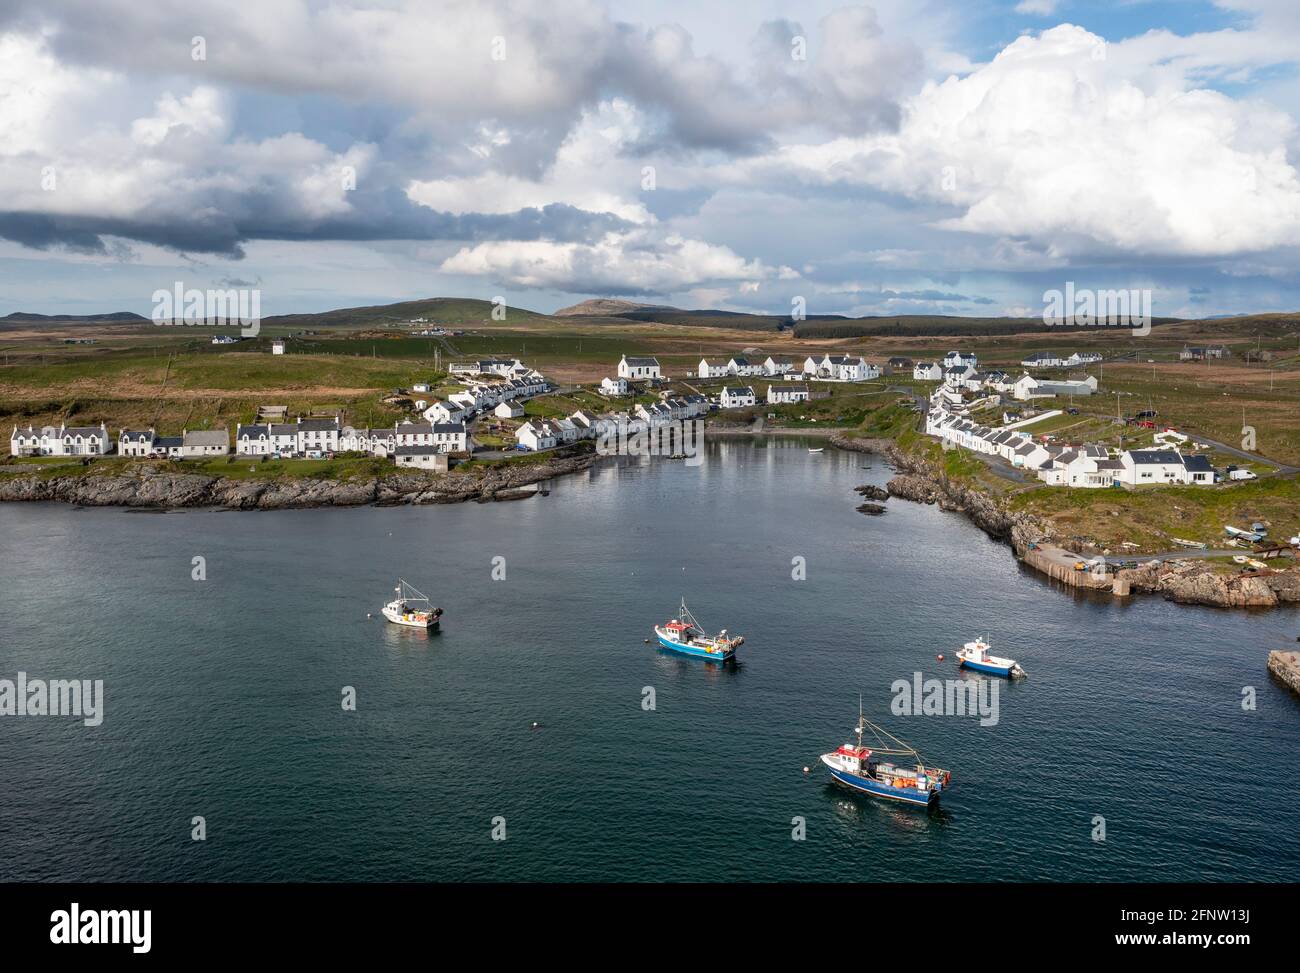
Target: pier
x=1059, y=565
x=1286, y=667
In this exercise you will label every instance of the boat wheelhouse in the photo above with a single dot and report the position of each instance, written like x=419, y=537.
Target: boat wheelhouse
x=975, y=655
x=411, y=607
x=858, y=767
x=687, y=636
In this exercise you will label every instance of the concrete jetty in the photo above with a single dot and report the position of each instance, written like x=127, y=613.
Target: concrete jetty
x=1059, y=565
x=1286, y=666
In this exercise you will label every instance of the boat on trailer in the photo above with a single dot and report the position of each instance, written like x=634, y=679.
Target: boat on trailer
x=975, y=655
x=858, y=767
x=687, y=636
x=411, y=607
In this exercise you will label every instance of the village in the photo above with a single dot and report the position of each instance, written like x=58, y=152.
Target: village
x=964, y=413
x=491, y=390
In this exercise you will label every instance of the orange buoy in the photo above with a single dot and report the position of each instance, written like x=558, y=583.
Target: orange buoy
x=940, y=657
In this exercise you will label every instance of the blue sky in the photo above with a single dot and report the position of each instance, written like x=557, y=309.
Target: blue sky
x=918, y=158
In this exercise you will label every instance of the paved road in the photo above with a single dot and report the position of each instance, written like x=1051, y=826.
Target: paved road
x=1242, y=454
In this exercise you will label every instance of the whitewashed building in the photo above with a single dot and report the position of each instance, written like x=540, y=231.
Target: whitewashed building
x=421, y=458
x=778, y=365
x=202, y=443
x=135, y=442
x=253, y=440
x=448, y=437
x=508, y=410
x=639, y=369
x=318, y=435
x=737, y=397
x=537, y=434
x=63, y=441
x=927, y=371
x=1147, y=466
x=284, y=438
x=613, y=386
x=787, y=392
x=708, y=369
x=439, y=411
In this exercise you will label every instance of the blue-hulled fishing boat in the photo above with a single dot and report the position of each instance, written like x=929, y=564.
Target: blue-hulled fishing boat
x=858, y=767
x=975, y=655
x=687, y=636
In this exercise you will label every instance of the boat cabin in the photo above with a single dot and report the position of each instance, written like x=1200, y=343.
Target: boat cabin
x=679, y=630
x=854, y=759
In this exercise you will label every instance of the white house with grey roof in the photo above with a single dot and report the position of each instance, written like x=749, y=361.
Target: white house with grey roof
x=639, y=369
x=785, y=393
x=737, y=397
x=443, y=437
x=63, y=441
x=135, y=442
x=204, y=443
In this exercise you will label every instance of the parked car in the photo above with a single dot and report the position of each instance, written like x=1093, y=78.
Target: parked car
x=1242, y=475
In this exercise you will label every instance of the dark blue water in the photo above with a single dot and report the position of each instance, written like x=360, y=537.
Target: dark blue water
x=223, y=696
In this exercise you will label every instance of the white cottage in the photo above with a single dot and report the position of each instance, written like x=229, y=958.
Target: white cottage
x=639, y=369
x=786, y=392
x=737, y=398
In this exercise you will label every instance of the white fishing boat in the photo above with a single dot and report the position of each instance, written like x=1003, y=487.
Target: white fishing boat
x=975, y=655
x=819, y=449
x=411, y=607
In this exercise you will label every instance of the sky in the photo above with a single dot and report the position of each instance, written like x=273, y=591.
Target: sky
x=897, y=157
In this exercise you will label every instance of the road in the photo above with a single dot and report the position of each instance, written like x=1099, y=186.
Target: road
x=1242, y=454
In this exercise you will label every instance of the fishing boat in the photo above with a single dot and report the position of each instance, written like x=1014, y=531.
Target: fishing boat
x=858, y=766
x=1183, y=542
x=686, y=635
x=819, y=449
x=975, y=655
x=411, y=607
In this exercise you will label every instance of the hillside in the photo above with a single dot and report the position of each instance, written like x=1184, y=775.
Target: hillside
x=114, y=317
x=608, y=307
x=442, y=311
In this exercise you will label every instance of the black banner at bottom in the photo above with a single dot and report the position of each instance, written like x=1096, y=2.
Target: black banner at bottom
x=143, y=921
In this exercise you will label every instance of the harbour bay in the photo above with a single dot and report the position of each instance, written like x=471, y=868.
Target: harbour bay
x=223, y=694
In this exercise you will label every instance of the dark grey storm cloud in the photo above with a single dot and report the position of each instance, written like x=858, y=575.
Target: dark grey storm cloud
x=225, y=232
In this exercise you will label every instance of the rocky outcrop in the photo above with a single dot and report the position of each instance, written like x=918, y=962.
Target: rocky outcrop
x=1191, y=583
x=869, y=491
x=872, y=509
x=146, y=486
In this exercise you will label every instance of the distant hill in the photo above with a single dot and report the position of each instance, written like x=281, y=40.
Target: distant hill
x=115, y=317
x=608, y=307
x=457, y=311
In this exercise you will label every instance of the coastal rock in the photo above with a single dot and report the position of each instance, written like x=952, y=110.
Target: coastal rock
x=873, y=509
x=910, y=487
x=869, y=491
x=145, y=486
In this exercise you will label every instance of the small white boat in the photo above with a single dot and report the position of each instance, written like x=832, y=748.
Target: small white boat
x=1240, y=558
x=975, y=655
x=411, y=607
x=819, y=449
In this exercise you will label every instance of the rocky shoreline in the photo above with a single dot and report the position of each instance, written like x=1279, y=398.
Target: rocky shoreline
x=1188, y=583
x=147, y=487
